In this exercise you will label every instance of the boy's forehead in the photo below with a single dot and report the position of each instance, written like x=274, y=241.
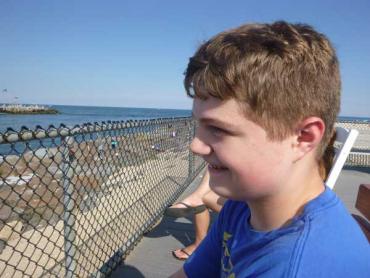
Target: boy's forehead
x=216, y=109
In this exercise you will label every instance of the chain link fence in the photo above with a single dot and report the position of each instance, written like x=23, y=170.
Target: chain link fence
x=73, y=201
x=360, y=153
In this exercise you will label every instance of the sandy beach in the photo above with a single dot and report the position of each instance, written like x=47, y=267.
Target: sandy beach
x=110, y=188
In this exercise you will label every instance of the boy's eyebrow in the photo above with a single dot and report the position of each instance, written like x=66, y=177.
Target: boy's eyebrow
x=216, y=122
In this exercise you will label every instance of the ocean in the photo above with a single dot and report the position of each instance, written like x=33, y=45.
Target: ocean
x=73, y=115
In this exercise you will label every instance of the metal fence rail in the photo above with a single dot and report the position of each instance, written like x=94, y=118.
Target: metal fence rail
x=73, y=201
x=360, y=153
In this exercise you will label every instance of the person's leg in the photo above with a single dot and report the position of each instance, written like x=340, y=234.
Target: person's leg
x=195, y=198
x=201, y=220
x=201, y=223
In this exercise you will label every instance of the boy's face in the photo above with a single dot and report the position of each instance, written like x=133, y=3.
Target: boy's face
x=243, y=163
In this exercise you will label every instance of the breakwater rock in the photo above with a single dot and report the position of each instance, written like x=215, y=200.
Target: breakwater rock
x=27, y=109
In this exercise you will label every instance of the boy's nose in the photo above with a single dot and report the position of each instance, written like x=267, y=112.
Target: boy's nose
x=199, y=147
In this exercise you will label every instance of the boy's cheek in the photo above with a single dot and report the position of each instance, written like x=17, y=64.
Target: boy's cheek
x=254, y=175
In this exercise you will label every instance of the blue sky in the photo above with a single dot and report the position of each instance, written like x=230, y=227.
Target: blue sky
x=134, y=53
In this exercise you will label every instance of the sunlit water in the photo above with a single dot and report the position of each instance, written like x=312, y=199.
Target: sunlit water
x=72, y=115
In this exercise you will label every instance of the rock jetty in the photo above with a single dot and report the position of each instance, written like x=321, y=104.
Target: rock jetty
x=27, y=109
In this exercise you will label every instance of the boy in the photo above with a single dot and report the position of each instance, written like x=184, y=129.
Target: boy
x=266, y=97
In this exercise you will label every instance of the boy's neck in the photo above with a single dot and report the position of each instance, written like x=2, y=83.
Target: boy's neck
x=278, y=210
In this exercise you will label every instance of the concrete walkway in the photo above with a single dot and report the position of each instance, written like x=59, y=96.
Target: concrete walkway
x=152, y=256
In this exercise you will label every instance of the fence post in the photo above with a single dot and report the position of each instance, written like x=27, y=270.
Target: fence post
x=191, y=155
x=68, y=216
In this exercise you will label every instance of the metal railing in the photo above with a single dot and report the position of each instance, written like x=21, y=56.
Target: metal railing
x=360, y=152
x=73, y=201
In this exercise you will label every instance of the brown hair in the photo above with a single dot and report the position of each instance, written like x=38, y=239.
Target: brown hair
x=281, y=72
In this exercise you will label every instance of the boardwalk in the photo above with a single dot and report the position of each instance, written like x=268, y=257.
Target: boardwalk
x=152, y=258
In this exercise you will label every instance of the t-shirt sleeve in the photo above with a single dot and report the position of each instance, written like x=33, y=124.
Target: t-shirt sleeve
x=206, y=260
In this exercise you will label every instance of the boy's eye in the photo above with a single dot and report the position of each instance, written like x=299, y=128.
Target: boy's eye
x=216, y=130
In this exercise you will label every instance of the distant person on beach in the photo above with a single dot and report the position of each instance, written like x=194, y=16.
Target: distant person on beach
x=101, y=151
x=266, y=97
x=69, y=141
x=114, y=144
x=71, y=154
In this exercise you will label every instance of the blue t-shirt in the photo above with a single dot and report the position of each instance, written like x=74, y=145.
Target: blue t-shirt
x=323, y=241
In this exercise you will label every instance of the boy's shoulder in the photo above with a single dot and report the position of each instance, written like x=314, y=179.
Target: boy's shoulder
x=332, y=243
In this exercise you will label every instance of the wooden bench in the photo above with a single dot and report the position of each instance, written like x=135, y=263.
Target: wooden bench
x=363, y=206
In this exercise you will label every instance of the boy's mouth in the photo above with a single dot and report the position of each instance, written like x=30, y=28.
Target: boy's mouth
x=216, y=168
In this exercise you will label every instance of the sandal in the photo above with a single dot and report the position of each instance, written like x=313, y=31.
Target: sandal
x=179, y=258
x=183, y=212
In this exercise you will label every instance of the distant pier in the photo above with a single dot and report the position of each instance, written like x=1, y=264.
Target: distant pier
x=27, y=109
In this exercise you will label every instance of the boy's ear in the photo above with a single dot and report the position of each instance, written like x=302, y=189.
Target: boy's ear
x=309, y=134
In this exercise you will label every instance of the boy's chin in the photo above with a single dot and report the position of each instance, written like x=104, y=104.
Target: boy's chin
x=217, y=182
x=223, y=191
